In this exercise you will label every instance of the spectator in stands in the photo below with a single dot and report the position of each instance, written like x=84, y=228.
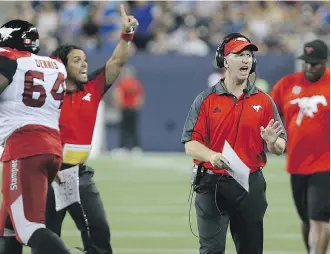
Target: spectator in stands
x=71, y=14
x=142, y=10
x=109, y=24
x=194, y=45
x=306, y=20
x=23, y=10
x=160, y=45
x=90, y=38
x=47, y=21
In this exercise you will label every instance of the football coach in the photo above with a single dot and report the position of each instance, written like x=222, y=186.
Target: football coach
x=233, y=110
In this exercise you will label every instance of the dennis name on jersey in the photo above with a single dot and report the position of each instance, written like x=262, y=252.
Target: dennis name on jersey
x=46, y=64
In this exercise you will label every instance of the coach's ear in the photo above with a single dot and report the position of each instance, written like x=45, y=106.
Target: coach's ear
x=226, y=65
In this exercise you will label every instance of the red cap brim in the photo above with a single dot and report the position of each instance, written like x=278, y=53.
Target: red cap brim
x=245, y=45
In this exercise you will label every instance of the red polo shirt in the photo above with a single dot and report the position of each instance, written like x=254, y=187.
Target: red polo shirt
x=79, y=110
x=216, y=116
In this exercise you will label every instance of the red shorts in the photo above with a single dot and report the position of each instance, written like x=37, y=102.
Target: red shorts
x=24, y=187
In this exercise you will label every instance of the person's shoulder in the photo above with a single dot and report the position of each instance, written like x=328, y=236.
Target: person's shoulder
x=259, y=94
x=290, y=78
x=93, y=76
x=13, y=54
x=262, y=93
x=57, y=59
x=205, y=94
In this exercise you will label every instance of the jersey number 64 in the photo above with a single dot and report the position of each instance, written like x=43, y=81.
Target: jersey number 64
x=30, y=88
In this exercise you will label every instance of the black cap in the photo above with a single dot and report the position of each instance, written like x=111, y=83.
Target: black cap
x=314, y=51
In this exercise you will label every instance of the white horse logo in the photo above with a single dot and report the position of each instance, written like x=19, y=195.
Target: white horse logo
x=6, y=32
x=308, y=106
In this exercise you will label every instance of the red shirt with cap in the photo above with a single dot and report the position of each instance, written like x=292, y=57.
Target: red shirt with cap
x=305, y=107
x=217, y=116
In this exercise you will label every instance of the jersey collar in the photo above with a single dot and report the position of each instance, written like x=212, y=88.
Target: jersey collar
x=221, y=90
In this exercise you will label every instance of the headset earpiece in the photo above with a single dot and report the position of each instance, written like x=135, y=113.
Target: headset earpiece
x=225, y=63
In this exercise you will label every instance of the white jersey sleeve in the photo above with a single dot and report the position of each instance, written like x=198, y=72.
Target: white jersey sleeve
x=35, y=92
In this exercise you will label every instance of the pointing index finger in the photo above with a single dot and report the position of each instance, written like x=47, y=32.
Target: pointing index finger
x=123, y=13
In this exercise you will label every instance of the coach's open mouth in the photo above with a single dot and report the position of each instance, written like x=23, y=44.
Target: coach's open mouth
x=244, y=69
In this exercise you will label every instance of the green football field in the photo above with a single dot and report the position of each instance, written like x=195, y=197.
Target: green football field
x=146, y=202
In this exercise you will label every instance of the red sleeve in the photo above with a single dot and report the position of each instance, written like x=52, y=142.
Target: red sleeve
x=195, y=127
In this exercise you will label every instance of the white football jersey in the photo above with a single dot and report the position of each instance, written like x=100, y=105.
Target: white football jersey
x=35, y=92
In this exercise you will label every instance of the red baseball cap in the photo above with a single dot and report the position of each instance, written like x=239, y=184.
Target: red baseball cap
x=238, y=44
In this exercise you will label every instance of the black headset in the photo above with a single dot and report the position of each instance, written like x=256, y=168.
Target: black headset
x=219, y=57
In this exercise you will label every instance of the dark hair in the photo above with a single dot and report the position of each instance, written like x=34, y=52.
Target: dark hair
x=63, y=51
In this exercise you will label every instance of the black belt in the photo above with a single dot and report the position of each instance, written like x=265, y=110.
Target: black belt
x=210, y=172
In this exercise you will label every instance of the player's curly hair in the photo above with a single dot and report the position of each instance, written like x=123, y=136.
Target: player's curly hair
x=63, y=51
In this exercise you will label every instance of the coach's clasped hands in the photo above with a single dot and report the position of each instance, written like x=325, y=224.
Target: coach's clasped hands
x=271, y=132
x=129, y=23
x=218, y=160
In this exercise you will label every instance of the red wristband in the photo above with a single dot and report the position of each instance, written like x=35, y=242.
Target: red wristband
x=127, y=37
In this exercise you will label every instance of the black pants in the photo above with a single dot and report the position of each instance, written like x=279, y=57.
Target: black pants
x=129, y=129
x=220, y=200
x=94, y=227
x=311, y=194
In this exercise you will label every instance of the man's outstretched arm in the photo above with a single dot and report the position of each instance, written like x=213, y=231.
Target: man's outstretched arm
x=121, y=53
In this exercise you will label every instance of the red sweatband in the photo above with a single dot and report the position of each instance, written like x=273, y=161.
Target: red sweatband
x=127, y=37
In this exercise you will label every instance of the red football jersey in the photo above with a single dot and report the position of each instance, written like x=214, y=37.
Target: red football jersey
x=305, y=107
x=29, y=106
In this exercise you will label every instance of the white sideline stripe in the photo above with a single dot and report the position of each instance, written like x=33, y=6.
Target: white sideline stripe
x=186, y=251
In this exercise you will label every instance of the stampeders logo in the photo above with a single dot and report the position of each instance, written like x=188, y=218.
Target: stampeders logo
x=13, y=177
x=308, y=106
x=6, y=32
x=309, y=50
